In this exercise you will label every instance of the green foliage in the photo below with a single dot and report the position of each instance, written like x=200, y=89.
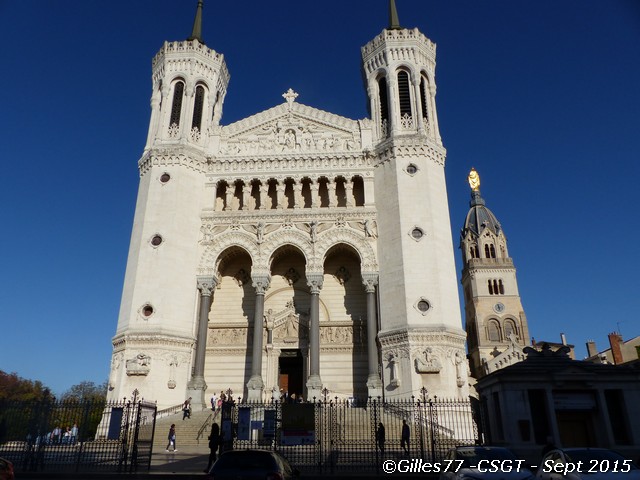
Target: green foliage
x=86, y=392
x=13, y=387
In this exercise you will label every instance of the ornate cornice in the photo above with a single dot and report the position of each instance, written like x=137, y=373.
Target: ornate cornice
x=412, y=146
x=150, y=340
x=290, y=164
x=173, y=156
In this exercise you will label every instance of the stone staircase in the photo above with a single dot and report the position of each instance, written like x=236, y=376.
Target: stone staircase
x=190, y=432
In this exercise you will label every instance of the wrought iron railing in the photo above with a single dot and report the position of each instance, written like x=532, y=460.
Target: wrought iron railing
x=64, y=436
x=334, y=435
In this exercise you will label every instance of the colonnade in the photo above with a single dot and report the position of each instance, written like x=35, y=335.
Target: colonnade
x=196, y=387
x=266, y=194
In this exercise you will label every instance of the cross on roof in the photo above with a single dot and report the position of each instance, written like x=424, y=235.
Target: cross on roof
x=290, y=96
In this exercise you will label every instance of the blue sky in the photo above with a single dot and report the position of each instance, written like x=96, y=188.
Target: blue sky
x=541, y=97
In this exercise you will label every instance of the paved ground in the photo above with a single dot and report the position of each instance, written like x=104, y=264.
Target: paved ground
x=186, y=464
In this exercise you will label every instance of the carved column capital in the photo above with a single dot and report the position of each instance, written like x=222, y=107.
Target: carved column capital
x=206, y=285
x=314, y=280
x=261, y=283
x=369, y=280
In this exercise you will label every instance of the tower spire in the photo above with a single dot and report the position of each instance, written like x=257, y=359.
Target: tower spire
x=394, y=23
x=196, y=32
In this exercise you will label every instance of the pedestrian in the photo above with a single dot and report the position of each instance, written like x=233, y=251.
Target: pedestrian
x=172, y=438
x=406, y=435
x=215, y=441
x=186, y=408
x=380, y=437
x=74, y=433
x=214, y=402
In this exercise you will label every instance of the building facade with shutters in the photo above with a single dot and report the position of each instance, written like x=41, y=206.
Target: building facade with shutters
x=294, y=250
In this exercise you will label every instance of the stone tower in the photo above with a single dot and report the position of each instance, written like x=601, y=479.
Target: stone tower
x=421, y=336
x=294, y=251
x=497, y=327
x=156, y=325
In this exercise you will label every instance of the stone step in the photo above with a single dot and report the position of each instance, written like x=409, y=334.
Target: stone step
x=192, y=431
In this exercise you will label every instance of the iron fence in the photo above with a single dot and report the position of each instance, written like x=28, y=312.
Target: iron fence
x=62, y=436
x=334, y=436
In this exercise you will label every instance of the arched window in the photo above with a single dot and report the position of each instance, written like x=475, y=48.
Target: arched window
x=492, y=251
x=176, y=105
x=493, y=331
x=509, y=328
x=384, y=104
x=404, y=94
x=500, y=287
x=490, y=284
x=486, y=252
x=197, y=108
x=423, y=99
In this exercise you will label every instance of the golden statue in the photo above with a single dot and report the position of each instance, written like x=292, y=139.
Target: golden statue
x=474, y=180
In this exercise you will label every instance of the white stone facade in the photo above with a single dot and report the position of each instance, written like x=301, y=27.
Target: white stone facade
x=294, y=249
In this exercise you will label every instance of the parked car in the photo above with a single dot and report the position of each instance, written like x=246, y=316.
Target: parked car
x=252, y=464
x=484, y=463
x=586, y=463
x=6, y=470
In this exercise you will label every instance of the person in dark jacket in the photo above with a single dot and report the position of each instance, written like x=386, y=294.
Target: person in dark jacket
x=215, y=440
x=172, y=438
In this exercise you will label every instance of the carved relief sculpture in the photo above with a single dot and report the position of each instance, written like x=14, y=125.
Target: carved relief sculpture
x=139, y=365
x=428, y=364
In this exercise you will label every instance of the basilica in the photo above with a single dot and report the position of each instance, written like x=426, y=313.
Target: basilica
x=299, y=251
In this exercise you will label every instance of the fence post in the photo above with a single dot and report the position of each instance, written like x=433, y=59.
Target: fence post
x=85, y=419
x=432, y=430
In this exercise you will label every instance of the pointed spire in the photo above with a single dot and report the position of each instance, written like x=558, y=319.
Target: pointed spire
x=196, y=32
x=394, y=23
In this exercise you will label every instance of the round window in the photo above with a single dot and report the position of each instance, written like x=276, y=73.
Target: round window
x=156, y=240
x=165, y=177
x=417, y=233
x=423, y=306
x=411, y=169
x=147, y=310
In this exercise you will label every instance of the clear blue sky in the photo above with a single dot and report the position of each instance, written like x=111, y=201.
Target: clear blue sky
x=541, y=97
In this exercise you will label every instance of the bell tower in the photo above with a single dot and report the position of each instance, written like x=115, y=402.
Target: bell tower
x=156, y=348
x=497, y=328
x=421, y=336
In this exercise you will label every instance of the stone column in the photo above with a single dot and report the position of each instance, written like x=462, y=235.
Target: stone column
x=314, y=382
x=264, y=194
x=434, y=114
x=394, y=109
x=374, y=384
x=197, y=386
x=255, y=385
x=419, y=114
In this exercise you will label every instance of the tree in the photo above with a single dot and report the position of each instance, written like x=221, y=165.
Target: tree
x=86, y=391
x=13, y=387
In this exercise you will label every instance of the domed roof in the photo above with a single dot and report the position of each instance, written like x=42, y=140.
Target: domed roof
x=479, y=217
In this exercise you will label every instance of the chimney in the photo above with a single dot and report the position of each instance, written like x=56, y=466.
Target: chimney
x=563, y=338
x=592, y=351
x=615, y=339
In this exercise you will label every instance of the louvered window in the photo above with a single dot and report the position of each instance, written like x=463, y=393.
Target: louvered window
x=384, y=100
x=423, y=99
x=176, y=106
x=197, y=108
x=404, y=93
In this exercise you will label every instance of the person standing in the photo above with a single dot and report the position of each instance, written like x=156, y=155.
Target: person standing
x=172, y=438
x=186, y=408
x=214, y=402
x=380, y=437
x=406, y=435
x=215, y=441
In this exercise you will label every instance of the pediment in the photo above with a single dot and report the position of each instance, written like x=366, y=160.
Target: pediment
x=291, y=128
